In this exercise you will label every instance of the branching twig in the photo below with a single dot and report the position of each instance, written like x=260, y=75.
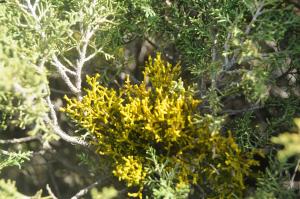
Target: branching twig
x=63, y=135
x=32, y=9
x=86, y=189
x=91, y=56
x=50, y=192
x=254, y=18
x=60, y=68
x=82, y=50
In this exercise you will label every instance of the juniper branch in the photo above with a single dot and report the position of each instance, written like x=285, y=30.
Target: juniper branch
x=60, y=68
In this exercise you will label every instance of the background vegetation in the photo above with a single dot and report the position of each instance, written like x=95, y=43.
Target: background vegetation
x=85, y=113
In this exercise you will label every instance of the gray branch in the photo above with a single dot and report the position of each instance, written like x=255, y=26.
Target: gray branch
x=19, y=140
x=60, y=68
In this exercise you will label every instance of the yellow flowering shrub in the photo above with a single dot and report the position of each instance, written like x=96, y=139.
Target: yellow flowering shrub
x=160, y=113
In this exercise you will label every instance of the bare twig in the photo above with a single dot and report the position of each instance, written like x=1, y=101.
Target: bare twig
x=91, y=56
x=68, y=62
x=82, y=50
x=294, y=175
x=50, y=192
x=86, y=189
x=4, y=152
x=214, y=51
x=52, y=110
x=87, y=31
x=254, y=18
x=19, y=140
x=63, y=135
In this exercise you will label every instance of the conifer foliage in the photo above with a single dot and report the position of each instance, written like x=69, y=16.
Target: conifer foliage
x=149, y=99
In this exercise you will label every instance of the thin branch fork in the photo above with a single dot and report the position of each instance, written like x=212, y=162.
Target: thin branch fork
x=63, y=135
x=91, y=56
x=60, y=65
x=82, y=57
x=82, y=47
x=50, y=192
x=254, y=18
x=53, y=122
x=60, y=68
x=32, y=9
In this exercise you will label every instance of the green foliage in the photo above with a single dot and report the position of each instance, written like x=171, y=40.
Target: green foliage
x=221, y=37
x=161, y=181
x=156, y=135
x=160, y=114
x=274, y=183
x=282, y=111
x=13, y=159
x=21, y=83
x=248, y=136
x=253, y=85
